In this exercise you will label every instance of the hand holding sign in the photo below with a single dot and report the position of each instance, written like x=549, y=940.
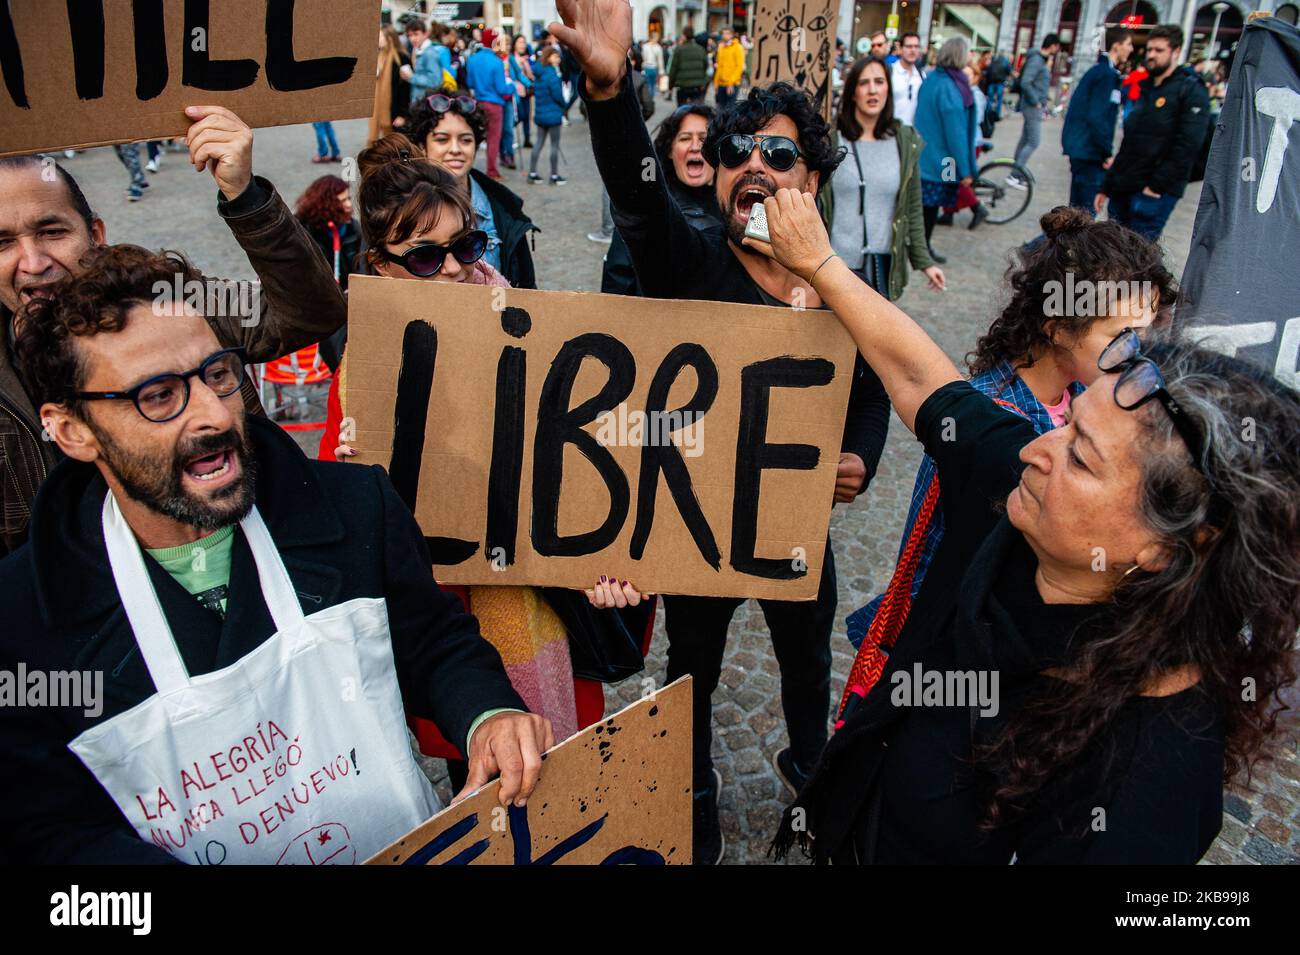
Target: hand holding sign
x=510, y=744
x=220, y=141
x=599, y=34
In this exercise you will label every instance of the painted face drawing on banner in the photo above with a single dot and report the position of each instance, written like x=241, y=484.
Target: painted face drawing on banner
x=792, y=42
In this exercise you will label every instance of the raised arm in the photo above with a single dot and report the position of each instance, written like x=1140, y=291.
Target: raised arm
x=909, y=363
x=298, y=301
x=663, y=246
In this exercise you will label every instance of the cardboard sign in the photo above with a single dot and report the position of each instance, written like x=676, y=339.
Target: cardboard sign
x=618, y=793
x=96, y=72
x=794, y=40
x=546, y=438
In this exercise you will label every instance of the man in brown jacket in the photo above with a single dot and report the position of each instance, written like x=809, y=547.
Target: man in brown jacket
x=46, y=226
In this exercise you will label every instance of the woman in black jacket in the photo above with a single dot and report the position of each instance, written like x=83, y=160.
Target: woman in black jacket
x=679, y=144
x=451, y=128
x=1101, y=641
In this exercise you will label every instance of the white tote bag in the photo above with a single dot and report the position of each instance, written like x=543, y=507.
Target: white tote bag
x=296, y=754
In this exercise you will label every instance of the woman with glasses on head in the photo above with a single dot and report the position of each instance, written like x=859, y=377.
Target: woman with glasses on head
x=679, y=146
x=873, y=207
x=1103, y=635
x=450, y=129
x=419, y=225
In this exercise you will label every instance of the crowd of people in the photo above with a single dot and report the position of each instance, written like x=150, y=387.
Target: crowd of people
x=1091, y=524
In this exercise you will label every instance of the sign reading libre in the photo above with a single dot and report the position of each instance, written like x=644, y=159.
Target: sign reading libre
x=546, y=438
x=91, y=72
x=618, y=793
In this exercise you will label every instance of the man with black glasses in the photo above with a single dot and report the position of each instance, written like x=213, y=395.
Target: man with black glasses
x=773, y=138
x=260, y=621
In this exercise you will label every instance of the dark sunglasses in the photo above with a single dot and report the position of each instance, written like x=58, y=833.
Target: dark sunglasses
x=428, y=259
x=163, y=397
x=1140, y=380
x=778, y=152
x=441, y=102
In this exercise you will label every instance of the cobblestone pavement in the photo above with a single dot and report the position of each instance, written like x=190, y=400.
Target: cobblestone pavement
x=1259, y=827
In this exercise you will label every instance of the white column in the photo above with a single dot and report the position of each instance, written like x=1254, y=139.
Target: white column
x=1007, y=26
x=1088, y=37
x=1049, y=13
x=844, y=29
x=923, y=23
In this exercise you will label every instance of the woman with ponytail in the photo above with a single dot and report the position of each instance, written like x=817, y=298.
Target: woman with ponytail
x=418, y=224
x=1108, y=624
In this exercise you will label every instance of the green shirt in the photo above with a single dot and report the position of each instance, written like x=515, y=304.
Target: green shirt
x=203, y=569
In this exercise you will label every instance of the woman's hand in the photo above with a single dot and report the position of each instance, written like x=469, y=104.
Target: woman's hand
x=799, y=239
x=343, y=452
x=935, y=275
x=610, y=592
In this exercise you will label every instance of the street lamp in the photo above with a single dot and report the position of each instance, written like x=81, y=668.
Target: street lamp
x=1218, y=9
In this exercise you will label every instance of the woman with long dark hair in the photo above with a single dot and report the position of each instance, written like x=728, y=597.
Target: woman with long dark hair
x=873, y=208
x=1102, y=639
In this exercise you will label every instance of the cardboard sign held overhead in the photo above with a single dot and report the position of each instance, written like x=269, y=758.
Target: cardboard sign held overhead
x=95, y=72
x=794, y=41
x=547, y=438
x=618, y=793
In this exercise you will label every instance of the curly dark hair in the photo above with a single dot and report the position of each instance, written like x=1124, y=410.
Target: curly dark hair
x=113, y=280
x=1075, y=249
x=1228, y=603
x=423, y=120
x=666, y=132
x=319, y=202
x=758, y=109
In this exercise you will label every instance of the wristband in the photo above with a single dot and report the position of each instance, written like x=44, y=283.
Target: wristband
x=819, y=268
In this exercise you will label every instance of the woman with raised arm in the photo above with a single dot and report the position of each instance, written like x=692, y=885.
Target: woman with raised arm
x=1105, y=630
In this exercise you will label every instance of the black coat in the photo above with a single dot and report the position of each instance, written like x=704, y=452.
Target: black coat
x=514, y=229
x=342, y=532
x=700, y=206
x=1163, y=136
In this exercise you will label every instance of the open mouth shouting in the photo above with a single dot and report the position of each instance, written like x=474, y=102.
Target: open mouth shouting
x=696, y=167
x=214, y=469
x=748, y=191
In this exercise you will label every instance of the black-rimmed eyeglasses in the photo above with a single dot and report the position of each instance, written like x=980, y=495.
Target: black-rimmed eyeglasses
x=1140, y=380
x=163, y=397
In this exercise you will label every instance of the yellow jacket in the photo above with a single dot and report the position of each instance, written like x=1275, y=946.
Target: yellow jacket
x=730, y=65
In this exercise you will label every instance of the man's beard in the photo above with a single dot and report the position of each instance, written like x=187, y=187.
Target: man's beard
x=736, y=230
x=157, y=480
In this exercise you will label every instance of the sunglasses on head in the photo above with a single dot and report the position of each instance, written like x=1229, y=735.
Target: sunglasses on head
x=441, y=102
x=778, y=152
x=426, y=260
x=1140, y=380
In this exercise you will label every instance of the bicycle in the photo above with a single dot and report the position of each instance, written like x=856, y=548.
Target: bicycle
x=1004, y=202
